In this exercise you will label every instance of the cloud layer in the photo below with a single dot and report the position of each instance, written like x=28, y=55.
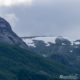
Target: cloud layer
x=43, y=17
x=11, y=18
x=14, y=2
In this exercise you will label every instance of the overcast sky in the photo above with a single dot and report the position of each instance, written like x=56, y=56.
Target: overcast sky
x=43, y=17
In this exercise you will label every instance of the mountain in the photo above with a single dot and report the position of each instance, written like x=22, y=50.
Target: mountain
x=48, y=45
x=47, y=40
x=8, y=36
x=20, y=64
x=60, y=49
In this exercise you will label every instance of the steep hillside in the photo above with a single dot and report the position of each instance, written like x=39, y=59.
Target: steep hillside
x=20, y=64
x=59, y=49
x=8, y=36
x=17, y=63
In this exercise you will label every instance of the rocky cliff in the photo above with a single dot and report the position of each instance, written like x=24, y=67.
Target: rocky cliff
x=8, y=36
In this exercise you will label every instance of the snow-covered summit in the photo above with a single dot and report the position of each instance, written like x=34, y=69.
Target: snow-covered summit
x=47, y=40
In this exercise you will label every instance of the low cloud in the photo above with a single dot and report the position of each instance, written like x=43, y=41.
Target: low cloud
x=12, y=19
x=58, y=17
x=8, y=3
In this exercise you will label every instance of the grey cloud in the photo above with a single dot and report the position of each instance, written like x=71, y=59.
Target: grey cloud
x=49, y=19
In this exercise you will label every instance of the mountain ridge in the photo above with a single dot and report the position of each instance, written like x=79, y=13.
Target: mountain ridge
x=59, y=49
x=21, y=64
x=8, y=36
x=18, y=63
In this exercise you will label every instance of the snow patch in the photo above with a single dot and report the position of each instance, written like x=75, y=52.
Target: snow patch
x=77, y=43
x=63, y=44
x=71, y=51
x=30, y=41
x=47, y=40
x=44, y=55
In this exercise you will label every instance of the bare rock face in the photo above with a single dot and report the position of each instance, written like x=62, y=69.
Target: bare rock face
x=8, y=36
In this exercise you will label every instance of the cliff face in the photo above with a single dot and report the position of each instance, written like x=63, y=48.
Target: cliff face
x=8, y=36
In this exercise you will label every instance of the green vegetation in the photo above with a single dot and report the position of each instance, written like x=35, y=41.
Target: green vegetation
x=20, y=64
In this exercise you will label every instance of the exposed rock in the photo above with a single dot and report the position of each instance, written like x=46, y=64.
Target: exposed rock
x=8, y=36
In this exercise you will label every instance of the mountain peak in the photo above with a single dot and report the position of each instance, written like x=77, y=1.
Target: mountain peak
x=4, y=25
x=8, y=36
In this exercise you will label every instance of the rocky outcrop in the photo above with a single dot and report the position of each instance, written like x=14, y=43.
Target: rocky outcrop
x=8, y=36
